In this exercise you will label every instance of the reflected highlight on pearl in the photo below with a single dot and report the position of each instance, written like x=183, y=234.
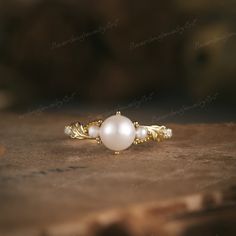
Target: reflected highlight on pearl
x=117, y=132
x=141, y=132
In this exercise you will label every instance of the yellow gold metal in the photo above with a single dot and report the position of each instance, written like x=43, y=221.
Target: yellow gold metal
x=155, y=133
x=136, y=124
x=117, y=153
x=99, y=141
x=80, y=131
x=118, y=113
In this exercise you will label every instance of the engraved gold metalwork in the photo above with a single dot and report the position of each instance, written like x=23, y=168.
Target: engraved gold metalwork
x=79, y=131
x=155, y=133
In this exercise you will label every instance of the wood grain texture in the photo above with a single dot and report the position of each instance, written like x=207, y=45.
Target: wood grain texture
x=49, y=184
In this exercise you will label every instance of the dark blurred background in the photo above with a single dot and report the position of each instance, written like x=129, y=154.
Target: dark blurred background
x=105, y=51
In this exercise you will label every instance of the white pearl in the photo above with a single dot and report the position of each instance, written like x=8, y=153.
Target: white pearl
x=141, y=132
x=93, y=131
x=117, y=132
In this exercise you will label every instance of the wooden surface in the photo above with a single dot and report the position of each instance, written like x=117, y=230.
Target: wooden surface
x=48, y=181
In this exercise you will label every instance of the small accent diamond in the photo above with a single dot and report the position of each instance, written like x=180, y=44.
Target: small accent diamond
x=67, y=130
x=169, y=133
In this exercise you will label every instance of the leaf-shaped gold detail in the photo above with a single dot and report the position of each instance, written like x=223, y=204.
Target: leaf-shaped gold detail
x=80, y=131
x=155, y=133
x=77, y=130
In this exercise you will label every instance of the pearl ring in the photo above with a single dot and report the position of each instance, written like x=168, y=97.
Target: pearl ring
x=118, y=132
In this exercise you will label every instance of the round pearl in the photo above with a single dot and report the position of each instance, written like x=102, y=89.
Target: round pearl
x=93, y=131
x=141, y=132
x=117, y=132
